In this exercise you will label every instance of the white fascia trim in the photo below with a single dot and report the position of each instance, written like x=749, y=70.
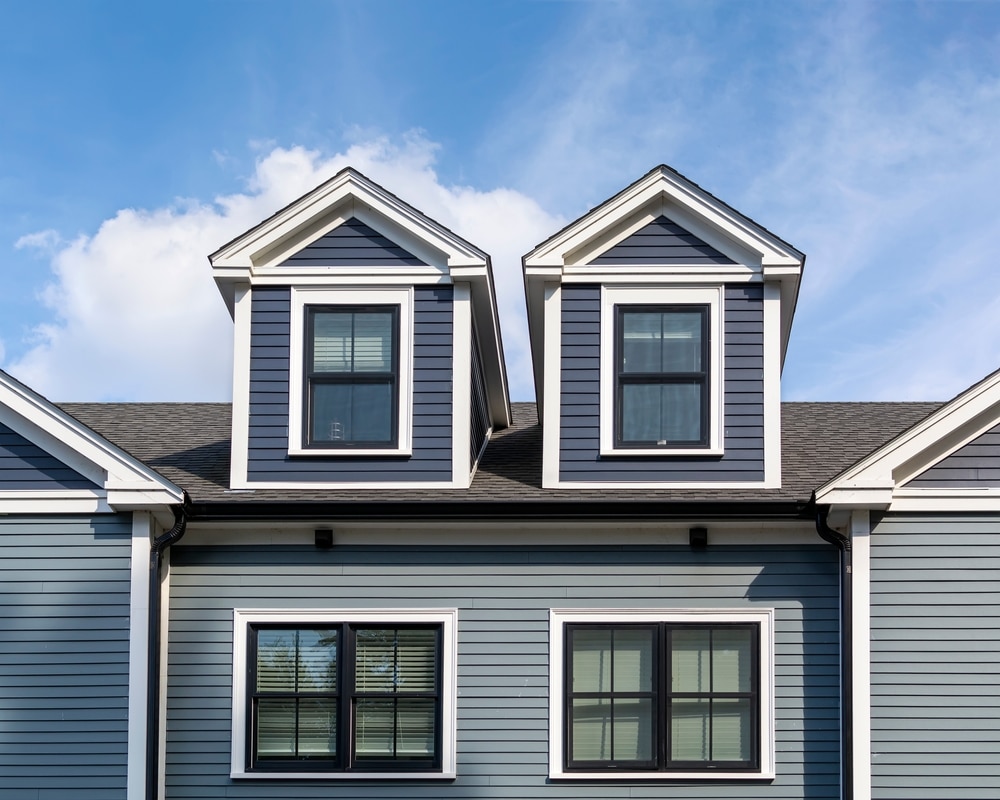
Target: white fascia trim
x=349, y=485
x=551, y=405
x=666, y=485
x=447, y=618
x=461, y=393
x=939, y=501
x=138, y=641
x=559, y=617
x=613, y=296
x=402, y=297
x=861, y=653
x=958, y=422
x=348, y=276
x=58, y=501
x=658, y=275
x=772, y=386
x=74, y=444
x=240, y=447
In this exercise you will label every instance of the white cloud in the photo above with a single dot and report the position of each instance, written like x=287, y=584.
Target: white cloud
x=135, y=312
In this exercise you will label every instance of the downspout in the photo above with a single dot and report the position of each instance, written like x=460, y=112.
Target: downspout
x=158, y=547
x=843, y=543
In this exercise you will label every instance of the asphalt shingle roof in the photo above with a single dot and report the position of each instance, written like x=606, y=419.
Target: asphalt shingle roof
x=188, y=444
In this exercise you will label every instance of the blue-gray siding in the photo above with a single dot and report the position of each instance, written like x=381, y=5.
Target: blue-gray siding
x=353, y=244
x=935, y=593
x=975, y=464
x=24, y=465
x=480, y=409
x=743, y=375
x=268, y=458
x=64, y=628
x=660, y=242
x=503, y=595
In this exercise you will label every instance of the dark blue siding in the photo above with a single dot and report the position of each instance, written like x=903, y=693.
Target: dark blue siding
x=503, y=596
x=977, y=464
x=268, y=458
x=64, y=656
x=662, y=241
x=25, y=466
x=480, y=410
x=743, y=375
x=353, y=244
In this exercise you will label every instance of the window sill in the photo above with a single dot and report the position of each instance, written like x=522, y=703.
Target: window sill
x=349, y=452
x=651, y=775
x=693, y=452
x=344, y=776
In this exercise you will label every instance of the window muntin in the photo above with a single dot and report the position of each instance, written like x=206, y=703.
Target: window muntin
x=662, y=697
x=661, y=376
x=350, y=697
x=351, y=376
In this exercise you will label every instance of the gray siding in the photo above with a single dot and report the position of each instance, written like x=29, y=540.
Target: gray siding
x=975, y=464
x=660, y=242
x=25, y=466
x=503, y=595
x=743, y=374
x=353, y=244
x=935, y=591
x=64, y=628
x=268, y=458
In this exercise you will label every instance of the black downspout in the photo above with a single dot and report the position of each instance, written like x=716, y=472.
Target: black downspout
x=156, y=551
x=843, y=543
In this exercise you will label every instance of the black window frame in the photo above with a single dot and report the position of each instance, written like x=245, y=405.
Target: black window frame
x=346, y=759
x=662, y=694
x=312, y=377
x=701, y=377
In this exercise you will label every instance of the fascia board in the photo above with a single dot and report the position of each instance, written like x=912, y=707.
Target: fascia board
x=662, y=183
x=970, y=413
x=76, y=445
x=346, y=186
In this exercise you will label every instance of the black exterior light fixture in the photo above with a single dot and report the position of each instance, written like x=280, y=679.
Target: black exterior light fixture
x=324, y=538
x=698, y=538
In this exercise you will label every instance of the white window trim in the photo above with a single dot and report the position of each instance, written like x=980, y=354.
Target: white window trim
x=612, y=296
x=447, y=618
x=301, y=298
x=559, y=617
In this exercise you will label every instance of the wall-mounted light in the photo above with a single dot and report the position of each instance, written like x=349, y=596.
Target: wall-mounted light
x=324, y=538
x=698, y=538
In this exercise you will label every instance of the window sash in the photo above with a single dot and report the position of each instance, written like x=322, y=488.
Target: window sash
x=351, y=376
x=691, y=704
x=661, y=369
x=344, y=697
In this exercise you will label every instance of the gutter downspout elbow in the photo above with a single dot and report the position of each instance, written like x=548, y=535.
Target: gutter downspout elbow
x=843, y=543
x=157, y=549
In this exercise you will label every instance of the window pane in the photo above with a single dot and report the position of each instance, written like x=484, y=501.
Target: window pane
x=373, y=341
x=317, y=660
x=682, y=341
x=332, y=341
x=732, y=729
x=689, y=730
x=591, y=729
x=633, y=729
x=591, y=660
x=352, y=412
x=352, y=341
x=374, y=727
x=390, y=660
x=661, y=341
x=275, y=734
x=415, y=728
x=417, y=660
x=275, y=660
x=661, y=412
x=317, y=735
x=732, y=659
x=690, y=660
x=633, y=660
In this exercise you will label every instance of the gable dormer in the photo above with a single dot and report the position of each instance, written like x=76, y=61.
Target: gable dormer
x=658, y=324
x=367, y=345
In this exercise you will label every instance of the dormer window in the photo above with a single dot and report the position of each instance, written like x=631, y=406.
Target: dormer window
x=352, y=376
x=350, y=371
x=660, y=374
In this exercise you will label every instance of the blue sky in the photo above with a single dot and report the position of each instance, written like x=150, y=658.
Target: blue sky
x=139, y=137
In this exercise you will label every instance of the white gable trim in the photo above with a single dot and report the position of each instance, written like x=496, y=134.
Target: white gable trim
x=124, y=482
x=879, y=480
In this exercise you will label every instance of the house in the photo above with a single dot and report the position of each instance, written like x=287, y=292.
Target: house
x=373, y=576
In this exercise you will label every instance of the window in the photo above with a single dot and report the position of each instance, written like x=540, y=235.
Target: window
x=661, y=351
x=350, y=372
x=662, y=695
x=353, y=695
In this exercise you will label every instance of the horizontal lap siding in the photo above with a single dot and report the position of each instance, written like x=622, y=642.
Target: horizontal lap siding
x=26, y=466
x=743, y=374
x=503, y=596
x=64, y=632
x=268, y=458
x=935, y=593
x=976, y=464
x=353, y=244
x=661, y=242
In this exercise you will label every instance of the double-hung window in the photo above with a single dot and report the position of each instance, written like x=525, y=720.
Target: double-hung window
x=661, y=354
x=647, y=695
x=350, y=372
x=352, y=696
